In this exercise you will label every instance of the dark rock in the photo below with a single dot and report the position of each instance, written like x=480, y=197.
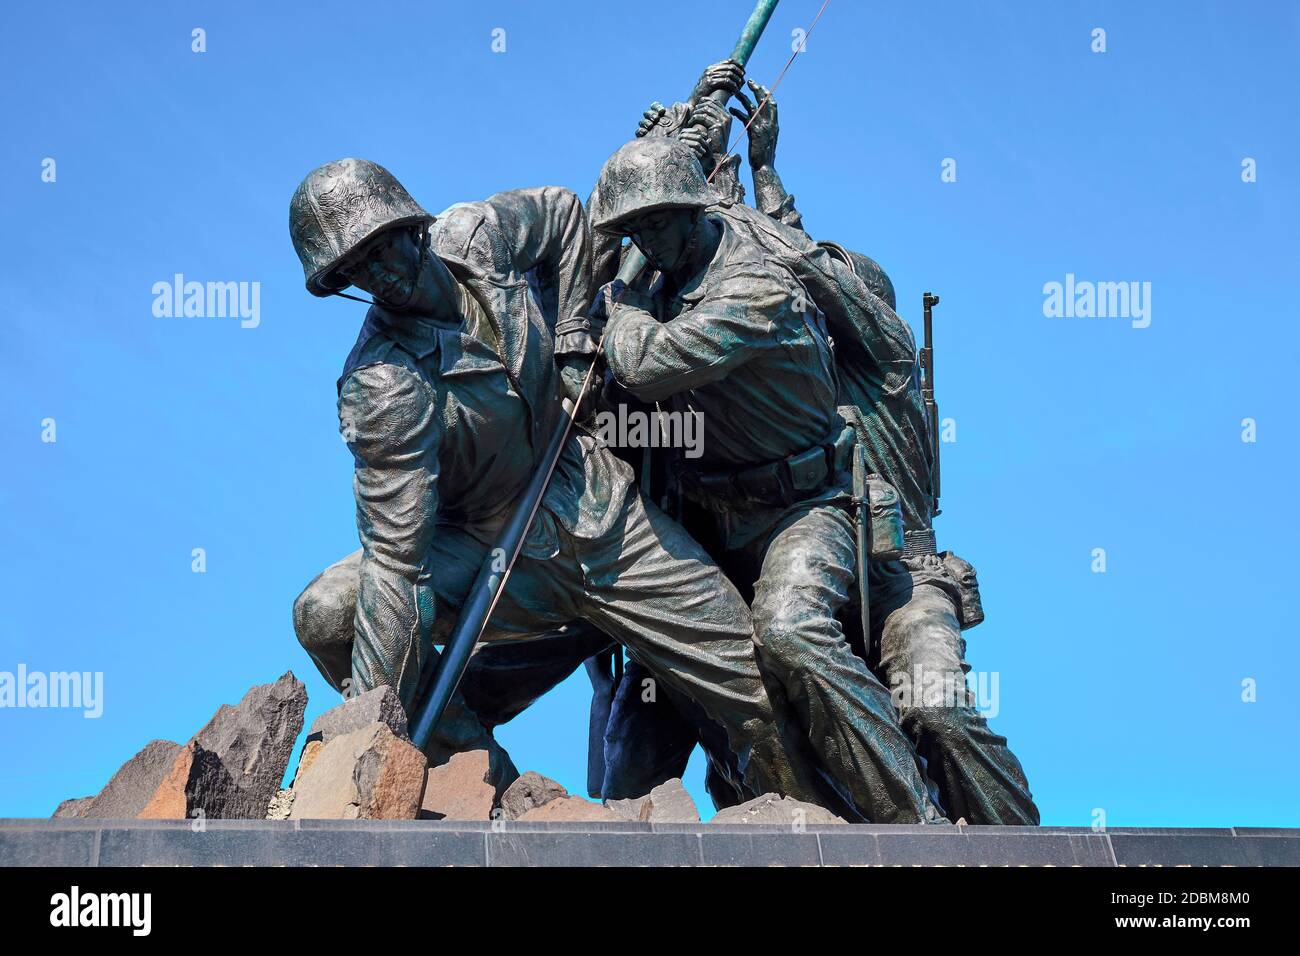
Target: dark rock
x=130, y=789
x=530, y=791
x=233, y=766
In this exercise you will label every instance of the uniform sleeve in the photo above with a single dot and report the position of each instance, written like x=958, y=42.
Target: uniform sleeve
x=545, y=232
x=389, y=421
x=738, y=320
x=880, y=334
x=772, y=200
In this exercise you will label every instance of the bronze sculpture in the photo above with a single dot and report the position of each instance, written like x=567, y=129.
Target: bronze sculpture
x=926, y=598
x=462, y=405
x=445, y=402
x=923, y=599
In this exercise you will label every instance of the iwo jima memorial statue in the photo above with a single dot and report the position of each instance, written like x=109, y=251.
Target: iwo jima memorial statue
x=771, y=592
x=703, y=464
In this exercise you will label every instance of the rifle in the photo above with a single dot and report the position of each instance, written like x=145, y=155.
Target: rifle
x=862, y=530
x=928, y=302
x=495, y=570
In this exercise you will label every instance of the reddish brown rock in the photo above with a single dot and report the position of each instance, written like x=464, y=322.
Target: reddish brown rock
x=310, y=750
x=460, y=789
x=369, y=774
x=569, y=810
x=168, y=801
x=131, y=787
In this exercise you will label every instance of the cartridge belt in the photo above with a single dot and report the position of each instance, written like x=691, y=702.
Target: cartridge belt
x=782, y=482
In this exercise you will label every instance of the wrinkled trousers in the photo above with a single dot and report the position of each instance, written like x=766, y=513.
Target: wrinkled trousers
x=806, y=573
x=649, y=586
x=922, y=659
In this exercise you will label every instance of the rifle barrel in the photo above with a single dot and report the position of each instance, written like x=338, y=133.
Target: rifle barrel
x=451, y=664
x=928, y=302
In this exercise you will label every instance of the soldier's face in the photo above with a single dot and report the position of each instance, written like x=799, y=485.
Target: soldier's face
x=388, y=267
x=663, y=235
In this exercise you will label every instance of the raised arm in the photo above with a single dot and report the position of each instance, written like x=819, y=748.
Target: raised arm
x=770, y=197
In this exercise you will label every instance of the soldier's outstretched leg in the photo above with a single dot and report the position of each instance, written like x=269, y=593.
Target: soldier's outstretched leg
x=923, y=659
x=808, y=574
x=649, y=585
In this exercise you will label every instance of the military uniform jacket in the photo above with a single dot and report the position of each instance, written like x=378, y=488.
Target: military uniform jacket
x=875, y=359
x=743, y=345
x=446, y=424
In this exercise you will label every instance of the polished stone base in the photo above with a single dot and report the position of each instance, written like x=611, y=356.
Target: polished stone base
x=433, y=843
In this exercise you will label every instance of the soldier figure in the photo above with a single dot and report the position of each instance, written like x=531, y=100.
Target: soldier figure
x=446, y=402
x=729, y=332
x=920, y=604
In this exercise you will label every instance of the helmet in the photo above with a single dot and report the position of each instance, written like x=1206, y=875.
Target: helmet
x=337, y=208
x=866, y=269
x=644, y=175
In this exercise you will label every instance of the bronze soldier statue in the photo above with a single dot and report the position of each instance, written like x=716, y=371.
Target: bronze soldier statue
x=922, y=601
x=920, y=604
x=446, y=401
x=728, y=332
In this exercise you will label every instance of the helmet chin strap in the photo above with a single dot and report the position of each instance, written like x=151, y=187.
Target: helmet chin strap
x=356, y=298
x=419, y=268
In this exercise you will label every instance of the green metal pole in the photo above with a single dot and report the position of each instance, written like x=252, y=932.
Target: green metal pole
x=634, y=261
x=753, y=30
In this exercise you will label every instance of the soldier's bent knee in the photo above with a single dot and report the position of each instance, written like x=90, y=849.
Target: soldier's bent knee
x=323, y=616
x=783, y=628
x=945, y=726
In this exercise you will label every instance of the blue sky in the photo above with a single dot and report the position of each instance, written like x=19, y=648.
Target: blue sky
x=1119, y=690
